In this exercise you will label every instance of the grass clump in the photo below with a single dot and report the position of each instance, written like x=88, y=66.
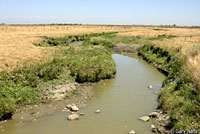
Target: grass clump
x=111, y=40
x=7, y=104
x=179, y=96
x=128, y=39
x=163, y=36
x=64, y=41
x=90, y=63
x=60, y=41
x=194, y=51
x=100, y=42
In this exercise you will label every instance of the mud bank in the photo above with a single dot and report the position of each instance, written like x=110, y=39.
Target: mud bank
x=125, y=49
x=62, y=95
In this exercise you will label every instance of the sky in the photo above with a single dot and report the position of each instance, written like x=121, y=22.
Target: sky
x=116, y=12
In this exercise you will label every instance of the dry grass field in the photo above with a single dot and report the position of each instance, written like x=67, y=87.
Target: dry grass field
x=187, y=41
x=16, y=42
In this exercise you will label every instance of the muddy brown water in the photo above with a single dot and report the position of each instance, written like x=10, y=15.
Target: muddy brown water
x=122, y=101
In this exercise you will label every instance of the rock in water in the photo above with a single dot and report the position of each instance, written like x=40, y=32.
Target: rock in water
x=74, y=108
x=82, y=114
x=132, y=132
x=98, y=111
x=69, y=106
x=145, y=118
x=150, y=87
x=154, y=114
x=73, y=117
x=153, y=128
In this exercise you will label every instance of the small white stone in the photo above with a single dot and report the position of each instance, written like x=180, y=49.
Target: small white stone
x=150, y=87
x=145, y=118
x=74, y=108
x=98, y=111
x=132, y=132
x=82, y=114
x=153, y=128
x=69, y=106
x=73, y=117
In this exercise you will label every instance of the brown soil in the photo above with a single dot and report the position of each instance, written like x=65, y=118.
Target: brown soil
x=69, y=93
x=125, y=49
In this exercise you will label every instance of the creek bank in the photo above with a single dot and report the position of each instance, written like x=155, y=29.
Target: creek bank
x=53, y=104
x=178, y=97
x=66, y=40
x=125, y=49
x=121, y=90
x=32, y=84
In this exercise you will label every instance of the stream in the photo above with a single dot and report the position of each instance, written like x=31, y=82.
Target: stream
x=122, y=101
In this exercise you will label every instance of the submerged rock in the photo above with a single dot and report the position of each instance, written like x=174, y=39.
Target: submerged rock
x=145, y=118
x=98, y=111
x=82, y=114
x=150, y=87
x=132, y=132
x=73, y=117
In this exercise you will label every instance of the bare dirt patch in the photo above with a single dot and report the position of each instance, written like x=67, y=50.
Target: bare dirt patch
x=69, y=93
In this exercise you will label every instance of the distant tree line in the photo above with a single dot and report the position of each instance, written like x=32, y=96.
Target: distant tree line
x=174, y=25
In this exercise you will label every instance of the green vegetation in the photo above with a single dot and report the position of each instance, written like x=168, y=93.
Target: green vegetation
x=60, y=41
x=101, y=42
x=64, y=41
x=179, y=96
x=89, y=63
x=81, y=64
x=124, y=39
x=163, y=36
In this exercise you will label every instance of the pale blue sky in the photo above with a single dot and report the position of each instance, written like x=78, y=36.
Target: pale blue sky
x=122, y=12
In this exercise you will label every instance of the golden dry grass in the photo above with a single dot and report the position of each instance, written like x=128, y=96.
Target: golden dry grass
x=16, y=41
x=186, y=40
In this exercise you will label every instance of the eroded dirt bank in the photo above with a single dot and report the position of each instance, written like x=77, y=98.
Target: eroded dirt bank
x=125, y=48
x=62, y=95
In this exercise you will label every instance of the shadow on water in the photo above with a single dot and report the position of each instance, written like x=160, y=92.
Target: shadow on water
x=122, y=101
